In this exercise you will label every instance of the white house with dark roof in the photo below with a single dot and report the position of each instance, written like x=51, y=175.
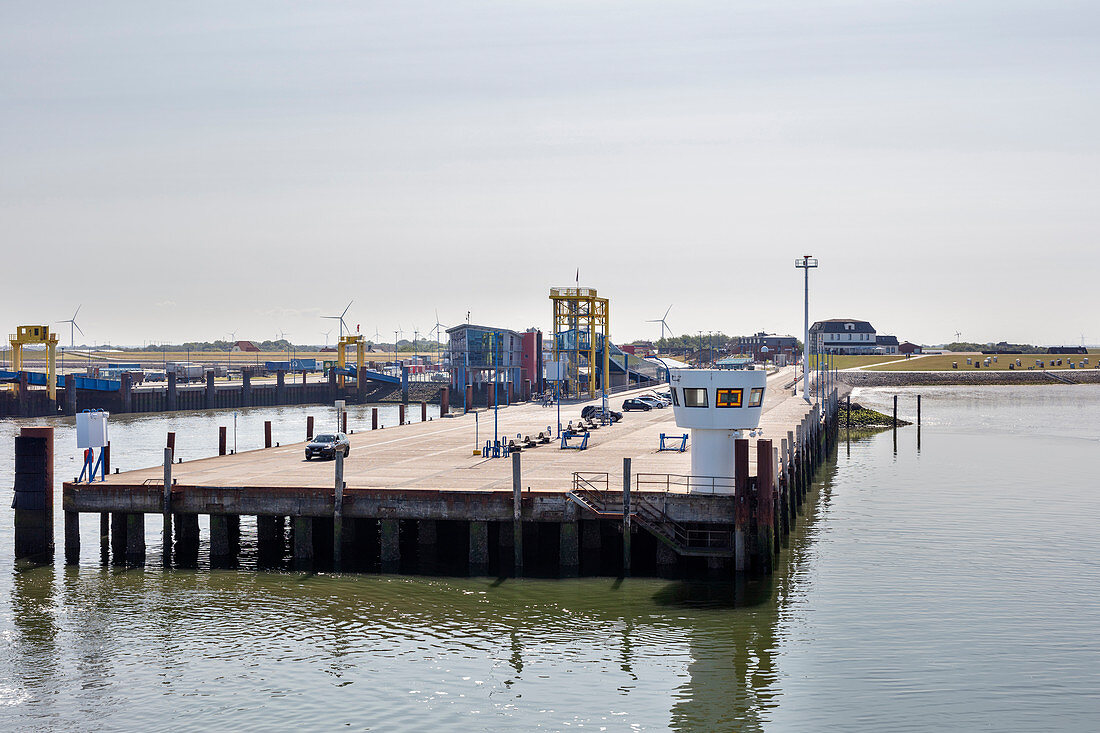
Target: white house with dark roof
x=843, y=336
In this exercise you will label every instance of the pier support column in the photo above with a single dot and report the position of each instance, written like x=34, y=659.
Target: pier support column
x=105, y=536
x=667, y=561
x=517, y=515
x=626, y=517
x=426, y=539
x=246, y=388
x=479, y=548
x=72, y=538
x=210, y=390
x=742, y=508
x=219, y=538
x=118, y=537
x=391, y=545
x=233, y=525
x=303, y=543
x=33, y=515
x=569, y=556
x=187, y=539
x=505, y=552
x=269, y=538
x=135, y=538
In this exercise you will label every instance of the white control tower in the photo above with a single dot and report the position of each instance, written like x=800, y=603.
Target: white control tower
x=717, y=404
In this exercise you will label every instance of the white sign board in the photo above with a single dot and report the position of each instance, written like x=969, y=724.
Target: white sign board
x=555, y=370
x=91, y=429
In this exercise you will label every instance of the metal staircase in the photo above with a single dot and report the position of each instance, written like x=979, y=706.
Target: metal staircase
x=590, y=492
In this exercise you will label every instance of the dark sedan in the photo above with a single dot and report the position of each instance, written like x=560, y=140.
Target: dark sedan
x=327, y=445
x=595, y=412
x=636, y=404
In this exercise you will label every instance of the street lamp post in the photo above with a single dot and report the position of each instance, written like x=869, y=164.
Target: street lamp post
x=805, y=263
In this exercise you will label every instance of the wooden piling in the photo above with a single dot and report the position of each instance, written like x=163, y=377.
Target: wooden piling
x=569, y=549
x=221, y=440
x=765, y=503
x=742, y=509
x=895, y=412
x=309, y=427
x=401, y=414
x=423, y=411
x=267, y=433
x=135, y=538
x=171, y=442
x=166, y=531
x=344, y=421
x=918, y=411
x=391, y=545
x=303, y=543
x=374, y=418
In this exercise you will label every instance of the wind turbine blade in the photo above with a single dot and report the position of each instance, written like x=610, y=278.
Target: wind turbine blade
x=346, y=309
x=78, y=328
x=77, y=310
x=666, y=313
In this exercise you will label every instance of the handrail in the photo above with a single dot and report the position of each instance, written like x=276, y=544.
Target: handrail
x=696, y=484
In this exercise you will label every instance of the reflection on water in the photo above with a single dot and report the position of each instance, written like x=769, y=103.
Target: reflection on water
x=914, y=593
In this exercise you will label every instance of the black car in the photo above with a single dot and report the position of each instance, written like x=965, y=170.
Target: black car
x=326, y=445
x=593, y=412
x=636, y=404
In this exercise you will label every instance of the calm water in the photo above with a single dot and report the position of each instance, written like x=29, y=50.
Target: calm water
x=955, y=588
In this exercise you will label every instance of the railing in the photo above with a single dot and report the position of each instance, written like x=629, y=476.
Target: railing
x=695, y=484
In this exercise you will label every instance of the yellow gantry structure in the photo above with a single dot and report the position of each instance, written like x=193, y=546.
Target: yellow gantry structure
x=581, y=319
x=360, y=345
x=25, y=335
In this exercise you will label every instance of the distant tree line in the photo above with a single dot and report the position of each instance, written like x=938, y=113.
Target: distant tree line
x=999, y=346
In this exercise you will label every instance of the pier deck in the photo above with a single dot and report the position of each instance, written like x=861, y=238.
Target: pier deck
x=438, y=455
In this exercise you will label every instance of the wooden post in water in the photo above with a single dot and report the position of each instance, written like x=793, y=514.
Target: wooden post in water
x=423, y=411
x=895, y=412
x=626, y=517
x=918, y=411
x=741, y=508
x=344, y=421
x=848, y=419
x=166, y=532
x=171, y=442
x=401, y=414
x=267, y=433
x=221, y=440
x=765, y=517
x=338, y=513
x=517, y=515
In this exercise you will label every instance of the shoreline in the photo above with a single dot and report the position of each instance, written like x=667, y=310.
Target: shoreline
x=967, y=378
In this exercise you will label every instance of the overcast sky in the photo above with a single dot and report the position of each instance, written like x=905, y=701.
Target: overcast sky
x=185, y=170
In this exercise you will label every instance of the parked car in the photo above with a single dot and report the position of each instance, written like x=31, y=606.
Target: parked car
x=327, y=445
x=593, y=412
x=652, y=400
x=636, y=404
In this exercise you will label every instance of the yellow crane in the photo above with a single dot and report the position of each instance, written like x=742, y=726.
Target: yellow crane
x=25, y=335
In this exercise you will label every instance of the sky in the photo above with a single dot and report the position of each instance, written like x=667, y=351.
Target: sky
x=183, y=171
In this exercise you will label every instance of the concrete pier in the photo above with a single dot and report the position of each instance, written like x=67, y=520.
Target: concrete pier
x=416, y=498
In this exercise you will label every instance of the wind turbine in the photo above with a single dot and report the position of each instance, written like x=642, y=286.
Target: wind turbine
x=376, y=333
x=326, y=334
x=661, y=320
x=72, y=325
x=340, y=318
x=957, y=335
x=436, y=328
